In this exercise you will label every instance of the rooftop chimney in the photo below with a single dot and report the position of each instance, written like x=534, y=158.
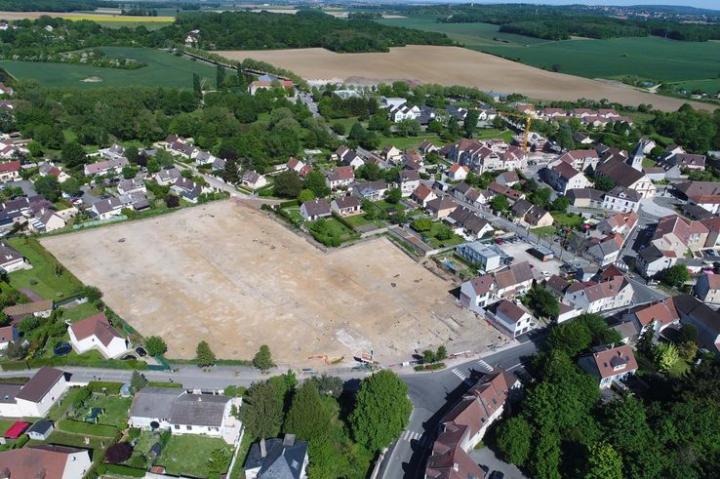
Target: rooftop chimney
x=263, y=449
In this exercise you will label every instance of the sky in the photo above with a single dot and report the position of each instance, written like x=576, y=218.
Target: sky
x=713, y=4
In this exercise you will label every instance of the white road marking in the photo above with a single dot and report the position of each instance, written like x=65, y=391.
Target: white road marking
x=485, y=366
x=459, y=374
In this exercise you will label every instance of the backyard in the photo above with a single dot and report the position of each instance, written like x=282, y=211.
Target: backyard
x=190, y=454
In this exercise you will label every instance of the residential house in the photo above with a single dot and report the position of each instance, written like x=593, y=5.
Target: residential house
x=457, y=172
x=605, y=250
x=315, y=209
x=39, y=309
x=107, y=208
x=203, y=158
x=8, y=334
x=392, y=154
x=107, y=167
x=35, y=397
x=408, y=181
x=96, y=333
x=114, y=152
x=346, y=156
x=686, y=161
x=626, y=176
x=276, y=458
x=598, y=296
x=620, y=223
x=423, y=194
x=477, y=293
x=45, y=462
x=187, y=189
x=654, y=317
x=703, y=317
x=508, y=178
x=404, y=112
x=340, y=177
x=465, y=425
x=133, y=185
x=651, y=261
x=509, y=193
x=487, y=257
x=705, y=194
x=530, y=215
x=182, y=412
x=253, y=180
x=621, y=199
x=167, y=176
x=713, y=226
x=468, y=224
x=580, y=160
x=675, y=233
x=48, y=221
x=610, y=365
x=563, y=177
x=9, y=171
x=512, y=317
x=370, y=190
x=10, y=259
x=707, y=288
x=441, y=207
x=49, y=169
x=346, y=206
x=582, y=139
x=428, y=147
x=586, y=198
x=486, y=289
x=293, y=164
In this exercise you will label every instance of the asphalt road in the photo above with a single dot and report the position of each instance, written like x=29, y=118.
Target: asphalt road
x=433, y=395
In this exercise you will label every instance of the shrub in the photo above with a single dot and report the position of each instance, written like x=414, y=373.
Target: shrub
x=155, y=346
x=118, y=453
x=104, y=387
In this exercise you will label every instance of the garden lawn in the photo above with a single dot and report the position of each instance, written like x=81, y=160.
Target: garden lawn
x=565, y=219
x=81, y=311
x=435, y=242
x=116, y=409
x=360, y=220
x=5, y=425
x=544, y=231
x=404, y=142
x=189, y=454
x=42, y=277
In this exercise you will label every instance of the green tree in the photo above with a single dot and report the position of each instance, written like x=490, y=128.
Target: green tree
x=545, y=462
x=393, y=196
x=543, y=303
x=219, y=76
x=137, y=381
x=408, y=127
x=382, y=410
x=132, y=154
x=262, y=411
x=428, y=356
x=675, y=276
x=263, y=359
x=513, y=440
x=48, y=186
x=155, y=346
x=306, y=195
x=604, y=183
x=441, y=353
x=499, y=204
x=666, y=356
x=560, y=204
x=604, y=463
x=73, y=155
x=71, y=186
x=197, y=87
x=204, y=355
x=288, y=184
x=308, y=417
x=315, y=181
x=422, y=225
x=572, y=337
x=470, y=122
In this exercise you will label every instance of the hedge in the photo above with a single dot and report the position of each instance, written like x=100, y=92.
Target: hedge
x=429, y=367
x=289, y=204
x=77, y=427
x=120, y=470
x=83, y=362
x=104, y=387
x=162, y=384
x=14, y=365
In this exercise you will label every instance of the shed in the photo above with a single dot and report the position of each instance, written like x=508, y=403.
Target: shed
x=41, y=430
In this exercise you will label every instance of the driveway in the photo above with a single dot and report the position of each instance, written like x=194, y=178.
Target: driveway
x=486, y=457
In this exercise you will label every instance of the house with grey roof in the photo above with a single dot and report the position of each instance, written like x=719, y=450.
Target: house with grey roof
x=315, y=209
x=277, y=458
x=183, y=412
x=35, y=397
x=10, y=259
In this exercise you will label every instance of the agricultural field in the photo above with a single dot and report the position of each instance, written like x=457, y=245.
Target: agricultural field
x=455, y=66
x=643, y=57
x=102, y=18
x=277, y=289
x=162, y=70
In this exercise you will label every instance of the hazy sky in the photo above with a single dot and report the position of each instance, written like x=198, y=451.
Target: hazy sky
x=714, y=4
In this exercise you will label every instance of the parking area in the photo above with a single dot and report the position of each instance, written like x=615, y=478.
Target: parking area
x=518, y=250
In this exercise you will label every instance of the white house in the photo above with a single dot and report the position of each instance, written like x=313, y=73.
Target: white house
x=10, y=259
x=512, y=317
x=458, y=172
x=96, y=332
x=46, y=222
x=340, y=177
x=563, y=177
x=610, y=365
x=651, y=261
x=45, y=461
x=408, y=181
x=35, y=397
x=253, y=180
x=186, y=413
x=594, y=297
x=315, y=209
x=621, y=199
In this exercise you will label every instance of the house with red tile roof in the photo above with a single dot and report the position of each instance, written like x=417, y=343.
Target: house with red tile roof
x=96, y=332
x=675, y=233
x=423, y=194
x=9, y=171
x=465, y=425
x=705, y=194
x=581, y=159
x=340, y=177
x=655, y=317
x=44, y=461
x=610, y=365
x=621, y=223
x=457, y=172
x=597, y=296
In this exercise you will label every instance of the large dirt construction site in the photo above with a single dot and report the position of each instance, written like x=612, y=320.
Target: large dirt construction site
x=230, y=275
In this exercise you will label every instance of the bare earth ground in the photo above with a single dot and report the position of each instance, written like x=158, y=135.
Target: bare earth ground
x=228, y=274
x=453, y=66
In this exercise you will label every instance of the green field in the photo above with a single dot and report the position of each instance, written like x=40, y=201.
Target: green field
x=646, y=57
x=162, y=69
x=190, y=454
